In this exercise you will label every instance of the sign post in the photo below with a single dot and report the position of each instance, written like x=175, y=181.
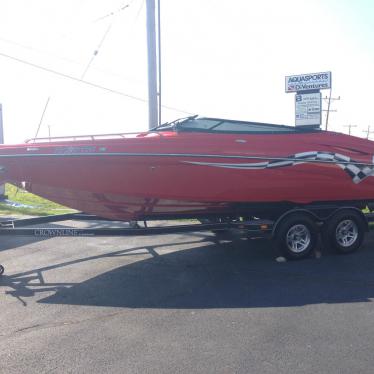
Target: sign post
x=308, y=99
x=2, y=187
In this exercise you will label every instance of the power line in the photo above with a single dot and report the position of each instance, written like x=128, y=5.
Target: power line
x=139, y=10
x=123, y=7
x=71, y=77
x=67, y=76
x=113, y=14
x=37, y=50
x=96, y=51
x=42, y=117
x=71, y=61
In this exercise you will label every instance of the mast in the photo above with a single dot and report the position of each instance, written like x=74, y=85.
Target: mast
x=153, y=115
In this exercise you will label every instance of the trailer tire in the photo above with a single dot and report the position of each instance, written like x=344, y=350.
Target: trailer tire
x=296, y=236
x=345, y=231
x=2, y=269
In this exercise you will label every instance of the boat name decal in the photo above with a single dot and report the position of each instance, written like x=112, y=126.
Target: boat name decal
x=58, y=232
x=75, y=149
x=356, y=170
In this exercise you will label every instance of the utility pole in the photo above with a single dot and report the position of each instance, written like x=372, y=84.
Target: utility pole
x=329, y=99
x=152, y=65
x=349, y=128
x=368, y=132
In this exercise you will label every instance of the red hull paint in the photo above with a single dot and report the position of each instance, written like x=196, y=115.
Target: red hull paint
x=156, y=173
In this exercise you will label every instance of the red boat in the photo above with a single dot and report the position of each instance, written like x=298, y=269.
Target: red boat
x=195, y=167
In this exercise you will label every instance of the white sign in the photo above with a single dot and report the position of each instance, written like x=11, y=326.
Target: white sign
x=308, y=109
x=308, y=82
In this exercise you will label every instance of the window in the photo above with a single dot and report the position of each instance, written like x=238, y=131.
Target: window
x=199, y=124
x=227, y=126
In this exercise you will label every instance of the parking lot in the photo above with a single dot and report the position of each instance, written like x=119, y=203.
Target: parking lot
x=190, y=303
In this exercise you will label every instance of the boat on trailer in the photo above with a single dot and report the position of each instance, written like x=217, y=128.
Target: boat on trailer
x=195, y=167
x=292, y=183
x=207, y=168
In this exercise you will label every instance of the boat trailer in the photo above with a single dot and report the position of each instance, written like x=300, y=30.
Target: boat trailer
x=18, y=227
x=296, y=232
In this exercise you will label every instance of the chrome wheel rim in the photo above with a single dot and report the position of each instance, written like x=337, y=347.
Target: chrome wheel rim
x=346, y=233
x=298, y=238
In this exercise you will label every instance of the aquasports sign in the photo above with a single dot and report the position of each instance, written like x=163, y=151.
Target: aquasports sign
x=308, y=82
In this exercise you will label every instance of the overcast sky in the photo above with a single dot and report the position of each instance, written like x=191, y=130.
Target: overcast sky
x=220, y=58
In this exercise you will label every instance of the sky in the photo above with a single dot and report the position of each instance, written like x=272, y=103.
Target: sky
x=225, y=59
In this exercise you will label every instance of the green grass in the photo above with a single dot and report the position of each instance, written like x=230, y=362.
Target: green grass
x=35, y=205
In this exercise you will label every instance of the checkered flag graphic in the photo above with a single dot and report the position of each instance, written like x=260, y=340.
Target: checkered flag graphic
x=356, y=170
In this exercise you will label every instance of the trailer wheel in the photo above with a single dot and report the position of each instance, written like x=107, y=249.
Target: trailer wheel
x=345, y=231
x=2, y=269
x=296, y=236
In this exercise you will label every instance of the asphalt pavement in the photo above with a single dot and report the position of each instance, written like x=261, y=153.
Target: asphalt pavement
x=191, y=303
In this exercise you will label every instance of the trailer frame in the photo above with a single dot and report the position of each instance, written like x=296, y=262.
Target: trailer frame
x=256, y=227
x=18, y=227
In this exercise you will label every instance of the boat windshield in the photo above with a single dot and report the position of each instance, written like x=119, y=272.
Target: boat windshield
x=203, y=124
x=167, y=126
x=217, y=125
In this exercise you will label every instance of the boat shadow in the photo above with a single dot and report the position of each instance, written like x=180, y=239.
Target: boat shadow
x=224, y=275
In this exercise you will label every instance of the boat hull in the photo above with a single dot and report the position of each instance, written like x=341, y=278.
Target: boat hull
x=178, y=175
